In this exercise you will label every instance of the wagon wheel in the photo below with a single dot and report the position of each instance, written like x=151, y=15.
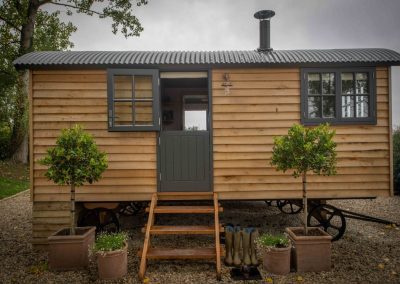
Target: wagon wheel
x=329, y=218
x=289, y=206
x=131, y=208
x=105, y=220
x=272, y=202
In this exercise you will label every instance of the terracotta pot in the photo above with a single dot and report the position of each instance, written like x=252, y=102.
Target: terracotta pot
x=311, y=252
x=277, y=260
x=113, y=264
x=70, y=252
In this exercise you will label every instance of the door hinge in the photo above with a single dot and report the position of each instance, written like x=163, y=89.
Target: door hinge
x=159, y=140
x=159, y=81
x=160, y=176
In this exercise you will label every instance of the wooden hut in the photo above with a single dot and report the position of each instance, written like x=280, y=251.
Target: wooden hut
x=205, y=121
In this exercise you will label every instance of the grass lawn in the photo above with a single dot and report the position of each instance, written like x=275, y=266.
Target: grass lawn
x=10, y=187
x=13, y=178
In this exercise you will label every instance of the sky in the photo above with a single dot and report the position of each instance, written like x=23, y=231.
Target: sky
x=230, y=25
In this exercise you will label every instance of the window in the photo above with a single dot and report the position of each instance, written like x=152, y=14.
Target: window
x=133, y=100
x=338, y=96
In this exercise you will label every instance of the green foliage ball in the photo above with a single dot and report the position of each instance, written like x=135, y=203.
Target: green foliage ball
x=75, y=159
x=306, y=149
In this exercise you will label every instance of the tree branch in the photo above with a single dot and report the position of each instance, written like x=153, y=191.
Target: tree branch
x=75, y=7
x=8, y=22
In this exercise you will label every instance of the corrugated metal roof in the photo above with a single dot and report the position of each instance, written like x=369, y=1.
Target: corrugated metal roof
x=139, y=58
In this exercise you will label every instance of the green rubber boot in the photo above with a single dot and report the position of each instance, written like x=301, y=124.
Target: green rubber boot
x=237, y=236
x=228, y=245
x=253, y=237
x=246, y=246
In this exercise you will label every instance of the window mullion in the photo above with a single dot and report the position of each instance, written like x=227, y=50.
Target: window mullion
x=133, y=101
x=339, y=94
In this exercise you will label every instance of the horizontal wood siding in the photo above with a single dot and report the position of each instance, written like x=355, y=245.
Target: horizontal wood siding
x=264, y=103
x=61, y=99
x=64, y=98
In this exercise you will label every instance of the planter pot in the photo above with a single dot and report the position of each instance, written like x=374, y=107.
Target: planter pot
x=311, y=252
x=70, y=252
x=113, y=264
x=277, y=260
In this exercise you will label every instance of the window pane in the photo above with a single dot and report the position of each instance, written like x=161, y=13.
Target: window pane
x=143, y=87
x=314, y=107
x=362, y=106
x=123, y=113
x=328, y=106
x=362, y=83
x=347, y=106
x=123, y=87
x=195, y=120
x=314, y=84
x=347, y=83
x=328, y=83
x=143, y=113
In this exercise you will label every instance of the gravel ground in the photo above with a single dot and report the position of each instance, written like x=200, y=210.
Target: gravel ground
x=368, y=253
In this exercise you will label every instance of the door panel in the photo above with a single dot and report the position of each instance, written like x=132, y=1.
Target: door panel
x=185, y=161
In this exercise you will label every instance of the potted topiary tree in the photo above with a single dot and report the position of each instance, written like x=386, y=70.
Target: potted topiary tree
x=74, y=161
x=306, y=150
x=276, y=249
x=112, y=255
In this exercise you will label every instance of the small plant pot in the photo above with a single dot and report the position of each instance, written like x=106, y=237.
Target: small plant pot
x=70, y=252
x=113, y=264
x=312, y=253
x=277, y=260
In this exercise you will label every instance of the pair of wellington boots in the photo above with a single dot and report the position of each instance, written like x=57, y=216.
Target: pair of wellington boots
x=235, y=238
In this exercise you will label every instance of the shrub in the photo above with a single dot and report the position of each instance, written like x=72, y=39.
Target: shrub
x=303, y=150
x=5, y=136
x=74, y=161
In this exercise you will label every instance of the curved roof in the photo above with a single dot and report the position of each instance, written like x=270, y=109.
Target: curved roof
x=92, y=59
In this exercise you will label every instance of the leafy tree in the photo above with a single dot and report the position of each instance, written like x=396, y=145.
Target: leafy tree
x=396, y=159
x=25, y=26
x=304, y=150
x=73, y=161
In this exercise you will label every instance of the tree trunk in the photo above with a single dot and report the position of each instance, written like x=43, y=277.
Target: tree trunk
x=19, y=139
x=72, y=224
x=305, y=202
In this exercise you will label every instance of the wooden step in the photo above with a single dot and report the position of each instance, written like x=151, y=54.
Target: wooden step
x=184, y=209
x=174, y=253
x=182, y=230
x=185, y=196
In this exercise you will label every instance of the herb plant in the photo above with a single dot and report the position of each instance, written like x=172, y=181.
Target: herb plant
x=273, y=241
x=106, y=242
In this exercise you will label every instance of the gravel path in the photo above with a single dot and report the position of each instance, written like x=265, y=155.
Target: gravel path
x=368, y=253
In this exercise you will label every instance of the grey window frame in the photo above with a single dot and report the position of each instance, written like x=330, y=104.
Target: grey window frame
x=339, y=119
x=155, y=99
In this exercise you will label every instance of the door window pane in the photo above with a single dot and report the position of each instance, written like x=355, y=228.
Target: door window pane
x=314, y=107
x=195, y=120
x=328, y=106
x=362, y=106
x=123, y=87
x=362, y=83
x=314, y=84
x=123, y=113
x=328, y=83
x=347, y=106
x=347, y=83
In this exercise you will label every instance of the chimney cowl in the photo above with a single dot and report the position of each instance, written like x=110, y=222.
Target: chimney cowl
x=264, y=14
x=265, y=30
